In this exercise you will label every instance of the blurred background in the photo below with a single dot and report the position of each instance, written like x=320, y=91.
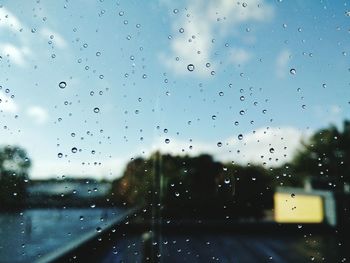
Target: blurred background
x=186, y=131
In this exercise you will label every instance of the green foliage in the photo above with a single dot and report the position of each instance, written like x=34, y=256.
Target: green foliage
x=326, y=158
x=14, y=165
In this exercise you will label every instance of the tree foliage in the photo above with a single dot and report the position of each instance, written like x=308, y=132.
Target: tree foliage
x=326, y=158
x=14, y=165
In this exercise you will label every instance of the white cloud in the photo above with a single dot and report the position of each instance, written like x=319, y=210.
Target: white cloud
x=273, y=146
x=202, y=22
x=329, y=114
x=28, y=47
x=240, y=56
x=38, y=114
x=9, y=20
x=55, y=37
x=282, y=62
x=7, y=104
x=107, y=169
x=16, y=55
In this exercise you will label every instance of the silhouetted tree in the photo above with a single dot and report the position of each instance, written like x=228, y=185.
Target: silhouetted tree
x=196, y=187
x=326, y=158
x=14, y=165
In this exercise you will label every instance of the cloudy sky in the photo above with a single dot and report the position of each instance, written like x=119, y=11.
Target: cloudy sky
x=87, y=85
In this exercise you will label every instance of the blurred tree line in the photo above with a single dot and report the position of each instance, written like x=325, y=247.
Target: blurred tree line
x=200, y=186
x=14, y=165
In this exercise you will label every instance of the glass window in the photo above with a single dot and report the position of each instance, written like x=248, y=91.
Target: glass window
x=174, y=131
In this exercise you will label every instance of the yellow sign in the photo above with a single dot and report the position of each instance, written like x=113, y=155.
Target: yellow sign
x=290, y=208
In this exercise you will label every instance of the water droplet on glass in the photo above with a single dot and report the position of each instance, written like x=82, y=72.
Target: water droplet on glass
x=292, y=195
x=292, y=71
x=60, y=155
x=177, y=194
x=167, y=141
x=190, y=67
x=219, y=144
x=240, y=136
x=221, y=94
x=96, y=110
x=98, y=229
x=213, y=117
x=74, y=150
x=272, y=150
x=175, y=11
x=181, y=30
x=62, y=84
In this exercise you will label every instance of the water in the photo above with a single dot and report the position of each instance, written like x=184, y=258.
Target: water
x=28, y=235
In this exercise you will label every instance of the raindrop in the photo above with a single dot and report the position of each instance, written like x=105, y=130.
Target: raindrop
x=324, y=85
x=98, y=54
x=190, y=67
x=292, y=195
x=60, y=155
x=96, y=110
x=292, y=71
x=272, y=150
x=219, y=144
x=240, y=136
x=175, y=11
x=177, y=194
x=62, y=84
x=33, y=30
x=181, y=30
x=227, y=180
x=74, y=149
x=81, y=218
x=213, y=117
x=98, y=229
x=167, y=141
x=241, y=112
x=221, y=94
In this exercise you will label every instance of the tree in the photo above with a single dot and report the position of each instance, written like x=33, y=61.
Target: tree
x=14, y=165
x=326, y=158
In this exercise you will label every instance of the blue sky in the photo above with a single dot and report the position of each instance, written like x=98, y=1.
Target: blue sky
x=130, y=60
